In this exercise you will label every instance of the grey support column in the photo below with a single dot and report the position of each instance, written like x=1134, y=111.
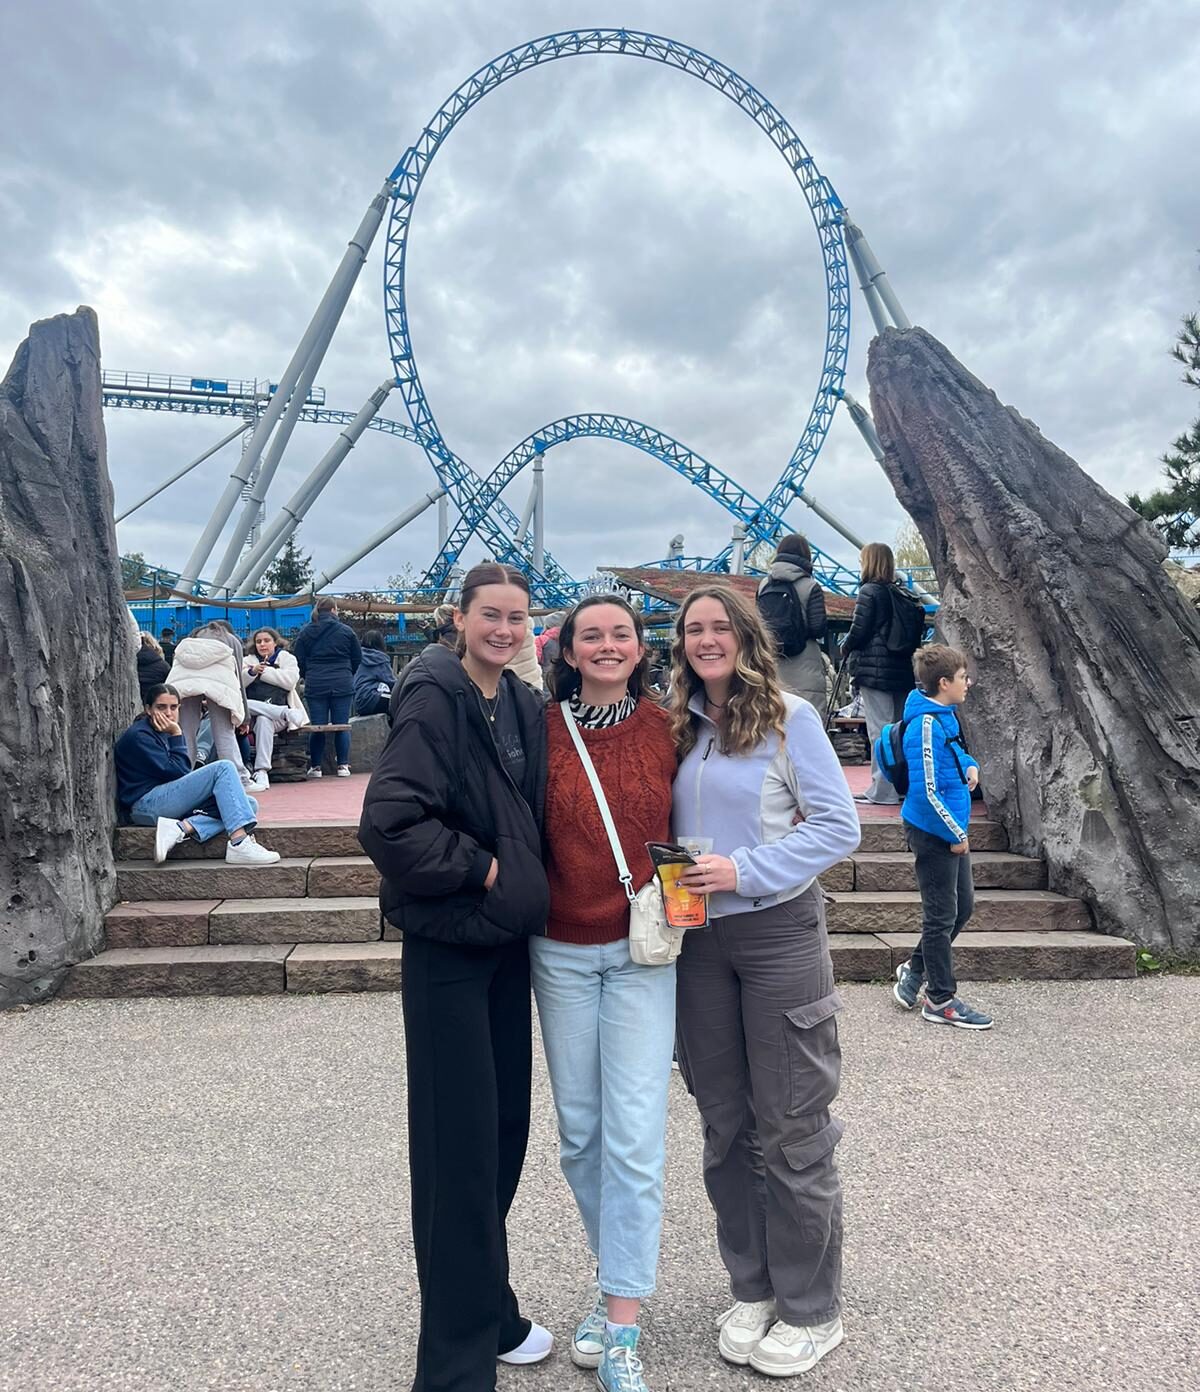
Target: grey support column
x=187, y=469
x=332, y=303
x=327, y=577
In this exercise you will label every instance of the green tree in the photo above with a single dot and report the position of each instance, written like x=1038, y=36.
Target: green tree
x=133, y=567
x=290, y=572
x=910, y=549
x=1175, y=508
x=404, y=581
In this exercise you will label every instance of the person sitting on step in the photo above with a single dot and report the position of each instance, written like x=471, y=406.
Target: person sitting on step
x=272, y=701
x=157, y=786
x=374, y=680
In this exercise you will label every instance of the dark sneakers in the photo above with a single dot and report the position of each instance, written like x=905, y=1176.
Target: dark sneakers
x=954, y=1012
x=907, y=989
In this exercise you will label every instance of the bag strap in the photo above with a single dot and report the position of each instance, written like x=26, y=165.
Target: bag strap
x=623, y=871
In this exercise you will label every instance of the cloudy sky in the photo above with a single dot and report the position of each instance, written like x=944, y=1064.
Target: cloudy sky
x=604, y=234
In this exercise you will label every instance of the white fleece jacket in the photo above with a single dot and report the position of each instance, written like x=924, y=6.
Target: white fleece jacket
x=747, y=804
x=210, y=667
x=285, y=674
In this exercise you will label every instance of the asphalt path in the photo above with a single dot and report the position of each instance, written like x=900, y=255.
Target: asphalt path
x=212, y=1194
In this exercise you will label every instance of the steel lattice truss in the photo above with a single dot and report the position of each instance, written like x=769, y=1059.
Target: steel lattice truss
x=480, y=507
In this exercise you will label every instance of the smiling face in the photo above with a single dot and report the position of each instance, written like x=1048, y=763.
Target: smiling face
x=605, y=650
x=709, y=642
x=493, y=624
x=264, y=645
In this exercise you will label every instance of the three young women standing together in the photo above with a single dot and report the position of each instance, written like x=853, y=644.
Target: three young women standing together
x=496, y=866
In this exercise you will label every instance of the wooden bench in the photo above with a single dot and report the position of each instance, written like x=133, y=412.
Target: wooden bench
x=289, y=762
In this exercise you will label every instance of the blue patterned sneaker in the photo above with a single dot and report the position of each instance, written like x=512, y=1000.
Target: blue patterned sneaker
x=620, y=1368
x=587, y=1347
x=907, y=989
x=957, y=1013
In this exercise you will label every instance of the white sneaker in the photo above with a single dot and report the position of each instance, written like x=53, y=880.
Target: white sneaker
x=260, y=782
x=167, y=835
x=314, y=773
x=742, y=1328
x=343, y=771
x=535, y=1346
x=788, y=1350
x=249, y=852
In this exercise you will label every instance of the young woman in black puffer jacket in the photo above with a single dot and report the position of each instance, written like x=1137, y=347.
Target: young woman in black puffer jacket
x=883, y=677
x=453, y=822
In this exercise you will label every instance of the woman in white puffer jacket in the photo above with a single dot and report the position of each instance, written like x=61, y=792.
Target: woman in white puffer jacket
x=208, y=667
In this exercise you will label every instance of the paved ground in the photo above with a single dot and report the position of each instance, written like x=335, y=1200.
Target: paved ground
x=211, y=1194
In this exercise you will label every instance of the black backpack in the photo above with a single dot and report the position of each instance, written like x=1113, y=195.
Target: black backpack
x=783, y=614
x=893, y=762
x=907, y=624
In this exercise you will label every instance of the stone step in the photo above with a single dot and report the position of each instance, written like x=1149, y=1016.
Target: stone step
x=191, y=922
x=893, y=871
x=996, y=911
x=342, y=875
x=368, y=966
x=139, y=880
x=259, y=969
x=180, y=971
x=292, y=839
x=883, y=834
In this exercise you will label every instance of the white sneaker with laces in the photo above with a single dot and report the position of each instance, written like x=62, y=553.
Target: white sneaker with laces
x=314, y=773
x=249, y=852
x=167, y=835
x=343, y=770
x=788, y=1350
x=742, y=1328
x=535, y=1346
x=260, y=782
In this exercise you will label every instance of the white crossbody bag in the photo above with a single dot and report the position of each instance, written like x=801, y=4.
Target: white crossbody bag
x=652, y=940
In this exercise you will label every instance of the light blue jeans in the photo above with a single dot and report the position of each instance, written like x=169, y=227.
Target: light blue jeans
x=217, y=782
x=608, y=1029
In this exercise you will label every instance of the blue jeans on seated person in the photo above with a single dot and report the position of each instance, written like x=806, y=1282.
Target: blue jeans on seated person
x=328, y=710
x=211, y=798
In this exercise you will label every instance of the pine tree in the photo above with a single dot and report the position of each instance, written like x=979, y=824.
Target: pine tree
x=1175, y=509
x=291, y=571
x=133, y=568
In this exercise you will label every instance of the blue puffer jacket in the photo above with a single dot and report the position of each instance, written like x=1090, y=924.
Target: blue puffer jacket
x=374, y=671
x=938, y=799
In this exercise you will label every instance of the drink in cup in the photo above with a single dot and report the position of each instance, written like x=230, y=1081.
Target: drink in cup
x=683, y=908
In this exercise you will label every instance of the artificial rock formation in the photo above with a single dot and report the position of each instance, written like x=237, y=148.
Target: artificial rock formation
x=1086, y=712
x=67, y=677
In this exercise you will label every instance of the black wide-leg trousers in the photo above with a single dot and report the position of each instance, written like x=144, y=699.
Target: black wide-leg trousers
x=469, y=1052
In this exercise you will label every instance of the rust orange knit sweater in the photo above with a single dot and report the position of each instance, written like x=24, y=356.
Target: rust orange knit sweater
x=635, y=762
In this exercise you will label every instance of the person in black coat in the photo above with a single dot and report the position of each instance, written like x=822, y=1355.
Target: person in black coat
x=883, y=677
x=452, y=820
x=328, y=654
x=152, y=665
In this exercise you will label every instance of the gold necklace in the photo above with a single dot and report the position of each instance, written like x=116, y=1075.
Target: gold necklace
x=489, y=707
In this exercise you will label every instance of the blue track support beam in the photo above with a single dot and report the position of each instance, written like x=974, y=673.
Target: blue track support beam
x=498, y=525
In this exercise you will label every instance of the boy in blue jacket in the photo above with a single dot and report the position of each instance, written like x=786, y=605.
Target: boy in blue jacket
x=935, y=812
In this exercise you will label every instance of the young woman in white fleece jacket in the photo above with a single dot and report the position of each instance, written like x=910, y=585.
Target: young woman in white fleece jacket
x=757, y=1028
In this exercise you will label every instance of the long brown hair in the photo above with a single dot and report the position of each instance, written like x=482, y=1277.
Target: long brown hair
x=755, y=708
x=565, y=680
x=878, y=565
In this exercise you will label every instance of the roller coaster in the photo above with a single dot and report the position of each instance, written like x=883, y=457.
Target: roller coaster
x=270, y=411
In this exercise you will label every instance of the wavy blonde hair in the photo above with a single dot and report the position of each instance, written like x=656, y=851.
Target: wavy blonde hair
x=755, y=708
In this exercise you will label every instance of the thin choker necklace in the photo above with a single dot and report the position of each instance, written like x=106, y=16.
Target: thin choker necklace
x=716, y=705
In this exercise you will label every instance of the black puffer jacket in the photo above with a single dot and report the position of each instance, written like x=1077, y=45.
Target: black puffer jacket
x=872, y=663
x=151, y=670
x=328, y=654
x=440, y=805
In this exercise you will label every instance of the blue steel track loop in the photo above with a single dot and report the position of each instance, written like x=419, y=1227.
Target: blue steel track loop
x=496, y=522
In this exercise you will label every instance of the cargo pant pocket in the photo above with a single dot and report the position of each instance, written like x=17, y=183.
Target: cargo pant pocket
x=814, y=1056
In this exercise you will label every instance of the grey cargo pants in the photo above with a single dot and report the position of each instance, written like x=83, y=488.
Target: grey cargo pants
x=758, y=1049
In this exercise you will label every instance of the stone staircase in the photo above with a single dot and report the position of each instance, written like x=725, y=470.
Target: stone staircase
x=196, y=926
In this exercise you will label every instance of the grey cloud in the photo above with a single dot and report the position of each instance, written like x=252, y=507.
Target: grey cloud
x=1023, y=174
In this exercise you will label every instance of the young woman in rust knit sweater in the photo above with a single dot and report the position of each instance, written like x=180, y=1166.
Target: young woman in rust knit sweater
x=607, y=1024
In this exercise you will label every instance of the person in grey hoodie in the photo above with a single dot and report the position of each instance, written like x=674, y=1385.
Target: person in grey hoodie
x=803, y=674
x=757, y=1036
